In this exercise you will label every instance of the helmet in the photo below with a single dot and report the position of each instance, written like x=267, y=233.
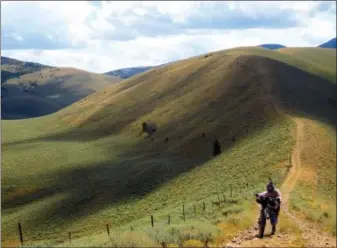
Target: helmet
x=270, y=187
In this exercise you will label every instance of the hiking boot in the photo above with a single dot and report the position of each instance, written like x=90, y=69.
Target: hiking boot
x=273, y=230
x=261, y=232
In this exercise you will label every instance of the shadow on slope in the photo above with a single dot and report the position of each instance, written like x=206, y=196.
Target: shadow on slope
x=42, y=100
x=45, y=98
x=302, y=93
x=239, y=109
x=247, y=78
x=241, y=104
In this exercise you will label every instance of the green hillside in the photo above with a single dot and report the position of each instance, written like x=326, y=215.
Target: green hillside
x=323, y=59
x=308, y=59
x=85, y=166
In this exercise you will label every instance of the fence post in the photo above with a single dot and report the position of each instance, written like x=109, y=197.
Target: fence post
x=70, y=237
x=184, y=212
x=20, y=234
x=107, y=229
x=217, y=191
x=169, y=220
x=152, y=223
x=204, y=207
x=230, y=186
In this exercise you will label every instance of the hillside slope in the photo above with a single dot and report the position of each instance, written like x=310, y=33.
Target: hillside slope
x=12, y=68
x=163, y=94
x=329, y=44
x=322, y=59
x=48, y=90
x=88, y=166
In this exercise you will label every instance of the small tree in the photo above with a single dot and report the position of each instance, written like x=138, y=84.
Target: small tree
x=216, y=147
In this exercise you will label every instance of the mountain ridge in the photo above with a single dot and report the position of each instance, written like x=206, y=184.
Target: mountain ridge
x=329, y=44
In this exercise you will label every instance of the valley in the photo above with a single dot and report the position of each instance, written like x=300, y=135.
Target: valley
x=85, y=166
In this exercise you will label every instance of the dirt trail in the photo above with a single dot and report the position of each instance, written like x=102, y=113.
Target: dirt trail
x=294, y=172
x=310, y=234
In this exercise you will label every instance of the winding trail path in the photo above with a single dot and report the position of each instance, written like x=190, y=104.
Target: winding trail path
x=310, y=233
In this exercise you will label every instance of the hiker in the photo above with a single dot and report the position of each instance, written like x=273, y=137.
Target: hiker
x=270, y=201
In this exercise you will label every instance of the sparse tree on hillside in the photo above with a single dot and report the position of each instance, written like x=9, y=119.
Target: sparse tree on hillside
x=216, y=147
x=150, y=128
x=30, y=87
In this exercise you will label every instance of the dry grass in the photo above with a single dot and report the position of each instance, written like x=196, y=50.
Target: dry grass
x=99, y=171
x=322, y=58
x=315, y=195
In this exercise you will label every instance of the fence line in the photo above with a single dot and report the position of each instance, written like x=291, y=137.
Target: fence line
x=217, y=202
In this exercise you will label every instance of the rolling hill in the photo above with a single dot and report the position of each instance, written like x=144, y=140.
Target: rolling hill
x=86, y=166
x=329, y=44
x=36, y=90
x=11, y=68
x=132, y=71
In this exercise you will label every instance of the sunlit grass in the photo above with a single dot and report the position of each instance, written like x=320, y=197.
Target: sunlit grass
x=192, y=188
x=85, y=167
x=314, y=197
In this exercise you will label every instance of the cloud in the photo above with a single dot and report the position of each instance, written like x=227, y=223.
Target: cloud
x=34, y=21
x=107, y=35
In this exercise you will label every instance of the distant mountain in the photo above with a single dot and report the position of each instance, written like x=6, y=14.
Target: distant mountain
x=129, y=72
x=329, y=44
x=12, y=68
x=272, y=46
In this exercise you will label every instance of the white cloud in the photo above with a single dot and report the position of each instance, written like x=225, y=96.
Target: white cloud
x=15, y=36
x=119, y=34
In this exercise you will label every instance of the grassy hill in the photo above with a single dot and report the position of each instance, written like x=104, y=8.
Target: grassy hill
x=11, y=68
x=322, y=59
x=85, y=166
x=48, y=90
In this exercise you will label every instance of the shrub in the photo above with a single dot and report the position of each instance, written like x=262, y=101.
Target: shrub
x=131, y=239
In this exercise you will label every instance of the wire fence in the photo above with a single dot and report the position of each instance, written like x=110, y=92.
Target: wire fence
x=192, y=210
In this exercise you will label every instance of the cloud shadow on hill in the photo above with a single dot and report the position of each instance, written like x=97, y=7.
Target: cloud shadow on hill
x=110, y=182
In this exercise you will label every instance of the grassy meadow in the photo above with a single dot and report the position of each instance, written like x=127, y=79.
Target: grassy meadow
x=85, y=166
x=49, y=213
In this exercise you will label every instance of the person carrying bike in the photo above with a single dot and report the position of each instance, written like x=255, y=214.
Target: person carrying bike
x=270, y=201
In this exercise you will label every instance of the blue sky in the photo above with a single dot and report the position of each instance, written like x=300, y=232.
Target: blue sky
x=103, y=36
